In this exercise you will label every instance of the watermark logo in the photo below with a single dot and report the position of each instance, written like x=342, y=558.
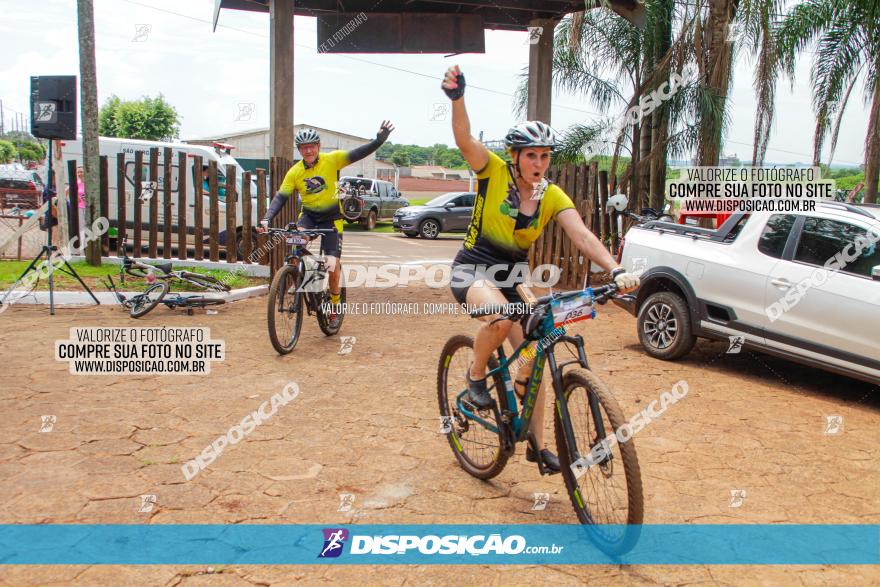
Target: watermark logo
x=737, y=497
x=445, y=424
x=46, y=111
x=148, y=190
x=646, y=106
x=601, y=451
x=535, y=33
x=438, y=112
x=736, y=31
x=346, y=502
x=148, y=502
x=245, y=111
x=639, y=265
x=343, y=32
x=346, y=344
x=141, y=32
x=541, y=501
x=833, y=425
x=736, y=344
x=334, y=540
x=795, y=292
x=239, y=431
x=47, y=423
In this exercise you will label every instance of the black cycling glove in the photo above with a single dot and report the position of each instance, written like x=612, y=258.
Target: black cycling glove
x=456, y=93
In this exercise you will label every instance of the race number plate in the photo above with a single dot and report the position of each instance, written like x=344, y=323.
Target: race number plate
x=297, y=240
x=573, y=309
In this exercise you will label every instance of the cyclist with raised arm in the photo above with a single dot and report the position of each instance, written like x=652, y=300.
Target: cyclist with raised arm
x=314, y=179
x=514, y=203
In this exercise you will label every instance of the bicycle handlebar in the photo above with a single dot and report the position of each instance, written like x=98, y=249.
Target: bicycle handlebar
x=601, y=295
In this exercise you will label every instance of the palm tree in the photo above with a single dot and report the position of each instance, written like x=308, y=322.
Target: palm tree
x=846, y=34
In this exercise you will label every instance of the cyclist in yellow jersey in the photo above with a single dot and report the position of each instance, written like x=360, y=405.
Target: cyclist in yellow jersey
x=513, y=205
x=314, y=179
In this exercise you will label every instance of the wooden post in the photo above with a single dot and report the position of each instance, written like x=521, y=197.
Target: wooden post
x=246, y=224
x=231, y=205
x=120, y=202
x=182, y=206
x=262, y=204
x=540, y=84
x=603, y=201
x=136, y=202
x=154, y=202
x=198, y=214
x=73, y=204
x=167, y=212
x=214, y=213
x=104, y=202
x=281, y=77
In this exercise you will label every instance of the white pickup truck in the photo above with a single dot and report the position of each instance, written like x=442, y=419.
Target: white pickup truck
x=803, y=286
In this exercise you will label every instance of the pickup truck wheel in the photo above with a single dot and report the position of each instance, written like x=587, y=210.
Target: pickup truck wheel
x=411, y=234
x=664, y=325
x=429, y=229
x=370, y=221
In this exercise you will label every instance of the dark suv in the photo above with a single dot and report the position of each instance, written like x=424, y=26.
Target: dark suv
x=449, y=212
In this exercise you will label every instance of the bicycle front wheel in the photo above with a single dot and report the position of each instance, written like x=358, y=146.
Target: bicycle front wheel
x=285, y=308
x=606, y=495
x=331, y=325
x=141, y=304
x=478, y=449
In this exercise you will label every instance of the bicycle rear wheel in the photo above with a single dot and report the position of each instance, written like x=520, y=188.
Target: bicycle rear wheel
x=205, y=281
x=607, y=495
x=479, y=450
x=285, y=309
x=141, y=304
x=328, y=326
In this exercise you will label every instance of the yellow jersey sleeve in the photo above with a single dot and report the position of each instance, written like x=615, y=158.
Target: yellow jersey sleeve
x=291, y=178
x=495, y=165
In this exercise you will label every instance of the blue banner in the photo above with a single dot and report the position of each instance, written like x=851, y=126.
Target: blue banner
x=176, y=544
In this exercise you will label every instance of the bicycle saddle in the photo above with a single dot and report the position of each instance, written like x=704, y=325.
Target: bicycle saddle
x=164, y=267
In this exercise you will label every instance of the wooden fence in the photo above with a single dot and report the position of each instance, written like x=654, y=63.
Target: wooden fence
x=588, y=189
x=201, y=240
x=134, y=206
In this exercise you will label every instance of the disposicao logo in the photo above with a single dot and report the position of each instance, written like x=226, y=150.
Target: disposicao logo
x=334, y=540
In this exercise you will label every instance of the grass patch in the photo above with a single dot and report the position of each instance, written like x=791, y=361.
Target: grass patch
x=418, y=201
x=385, y=227
x=93, y=276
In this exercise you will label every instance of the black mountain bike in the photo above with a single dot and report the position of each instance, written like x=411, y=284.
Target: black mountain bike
x=300, y=283
x=606, y=492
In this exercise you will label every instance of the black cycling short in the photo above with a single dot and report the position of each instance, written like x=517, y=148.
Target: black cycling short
x=467, y=268
x=331, y=242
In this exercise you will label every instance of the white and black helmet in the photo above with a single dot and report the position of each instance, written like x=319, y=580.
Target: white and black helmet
x=531, y=133
x=306, y=136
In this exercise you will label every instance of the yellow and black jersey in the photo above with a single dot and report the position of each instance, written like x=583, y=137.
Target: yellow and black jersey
x=316, y=185
x=498, y=233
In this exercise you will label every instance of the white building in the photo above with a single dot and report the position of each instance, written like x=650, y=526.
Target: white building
x=252, y=150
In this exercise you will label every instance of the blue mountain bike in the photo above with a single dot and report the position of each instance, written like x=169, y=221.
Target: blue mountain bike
x=606, y=491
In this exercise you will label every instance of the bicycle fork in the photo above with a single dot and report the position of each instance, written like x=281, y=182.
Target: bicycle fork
x=562, y=404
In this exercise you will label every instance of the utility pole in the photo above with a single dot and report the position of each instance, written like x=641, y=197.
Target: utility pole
x=2, y=128
x=89, y=110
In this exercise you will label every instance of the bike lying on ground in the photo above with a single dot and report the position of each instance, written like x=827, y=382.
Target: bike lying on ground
x=300, y=279
x=142, y=303
x=606, y=493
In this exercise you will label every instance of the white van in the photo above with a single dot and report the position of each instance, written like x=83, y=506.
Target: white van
x=111, y=147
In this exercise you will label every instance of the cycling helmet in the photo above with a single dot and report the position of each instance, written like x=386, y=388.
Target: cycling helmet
x=531, y=133
x=306, y=136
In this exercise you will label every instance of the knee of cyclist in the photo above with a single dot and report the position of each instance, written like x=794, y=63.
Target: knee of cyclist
x=501, y=327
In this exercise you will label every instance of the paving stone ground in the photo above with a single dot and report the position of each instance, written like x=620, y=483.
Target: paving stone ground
x=367, y=423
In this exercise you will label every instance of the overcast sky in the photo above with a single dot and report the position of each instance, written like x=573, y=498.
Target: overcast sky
x=146, y=47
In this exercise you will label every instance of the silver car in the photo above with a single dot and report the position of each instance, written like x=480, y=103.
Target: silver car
x=450, y=212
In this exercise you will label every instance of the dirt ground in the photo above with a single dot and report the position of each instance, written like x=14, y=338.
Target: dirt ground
x=366, y=423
